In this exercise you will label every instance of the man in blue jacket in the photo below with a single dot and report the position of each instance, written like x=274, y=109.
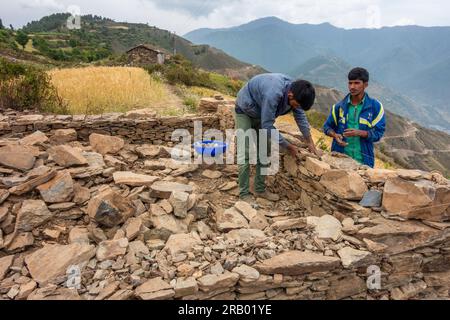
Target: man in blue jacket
x=357, y=122
x=263, y=99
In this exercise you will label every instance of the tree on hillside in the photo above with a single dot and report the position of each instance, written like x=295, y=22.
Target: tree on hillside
x=1, y=24
x=11, y=27
x=22, y=39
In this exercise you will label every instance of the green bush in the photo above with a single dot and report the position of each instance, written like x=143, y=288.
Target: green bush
x=191, y=102
x=7, y=39
x=321, y=144
x=22, y=39
x=27, y=87
x=180, y=71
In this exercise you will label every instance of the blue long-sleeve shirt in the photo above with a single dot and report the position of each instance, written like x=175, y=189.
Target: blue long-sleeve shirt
x=265, y=97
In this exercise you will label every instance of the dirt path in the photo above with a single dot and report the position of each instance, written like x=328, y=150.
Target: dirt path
x=411, y=133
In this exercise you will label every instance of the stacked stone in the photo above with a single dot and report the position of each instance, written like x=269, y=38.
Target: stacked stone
x=136, y=130
x=215, y=105
x=142, y=226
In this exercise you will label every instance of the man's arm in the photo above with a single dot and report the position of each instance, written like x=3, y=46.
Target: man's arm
x=303, y=124
x=268, y=116
x=378, y=126
x=330, y=127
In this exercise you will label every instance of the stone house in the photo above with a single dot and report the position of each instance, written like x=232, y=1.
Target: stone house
x=146, y=54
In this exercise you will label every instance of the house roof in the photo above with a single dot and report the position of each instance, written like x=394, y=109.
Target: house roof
x=148, y=47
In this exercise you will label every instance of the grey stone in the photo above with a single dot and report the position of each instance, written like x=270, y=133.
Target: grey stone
x=372, y=199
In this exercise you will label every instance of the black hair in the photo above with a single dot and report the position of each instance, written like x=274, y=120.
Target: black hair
x=304, y=93
x=359, y=74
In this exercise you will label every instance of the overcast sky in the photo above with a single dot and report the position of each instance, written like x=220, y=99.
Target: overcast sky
x=183, y=16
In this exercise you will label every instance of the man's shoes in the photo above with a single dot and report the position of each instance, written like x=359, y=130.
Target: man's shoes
x=249, y=199
x=268, y=196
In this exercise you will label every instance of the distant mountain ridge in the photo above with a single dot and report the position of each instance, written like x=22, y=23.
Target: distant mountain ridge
x=412, y=62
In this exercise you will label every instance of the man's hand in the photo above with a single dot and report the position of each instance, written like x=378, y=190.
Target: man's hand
x=339, y=139
x=356, y=133
x=312, y=148
x=293, y=150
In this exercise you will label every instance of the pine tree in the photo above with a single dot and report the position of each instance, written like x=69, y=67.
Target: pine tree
x=1, y=24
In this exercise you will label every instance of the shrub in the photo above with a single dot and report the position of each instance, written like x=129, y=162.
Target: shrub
x=191, y=102
x=180, y=71
x=321, y=144
x=22, y=39
x=27, y=87
x=7, y=39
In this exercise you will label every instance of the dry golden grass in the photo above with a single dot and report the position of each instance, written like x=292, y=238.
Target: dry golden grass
x=96, y=90
x=206, y=92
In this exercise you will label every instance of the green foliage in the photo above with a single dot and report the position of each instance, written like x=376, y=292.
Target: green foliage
x=48, y=23
x=73, y=43
x=79, y=51
x=22, y=38
x=57, y=22
x=180, y=71
x=7, y=39
x=321, y=144
x=27, y=87
x=191, y=102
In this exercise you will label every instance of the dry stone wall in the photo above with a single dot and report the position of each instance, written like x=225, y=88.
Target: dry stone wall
x=135, y=127
x=142, y=226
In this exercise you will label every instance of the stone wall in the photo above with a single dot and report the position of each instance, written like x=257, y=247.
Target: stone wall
x=136, y=127
x=394, y=220
x=144, y=56
x=337, y=226
x=412, y=254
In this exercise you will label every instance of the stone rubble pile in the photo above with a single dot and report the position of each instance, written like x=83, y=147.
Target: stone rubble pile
x=135, y=224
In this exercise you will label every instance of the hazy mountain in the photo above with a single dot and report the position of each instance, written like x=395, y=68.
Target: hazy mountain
x=411, y=62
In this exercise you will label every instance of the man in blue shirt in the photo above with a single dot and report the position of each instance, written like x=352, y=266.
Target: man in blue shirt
x=357, y=122
x=263, y=99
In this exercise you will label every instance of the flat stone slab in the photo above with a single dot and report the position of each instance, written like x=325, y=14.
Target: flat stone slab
x=294, y=263
x=230, y=219
x=19, y=159
x=164, y=189
x=352, y=258
x=372, y=199
x=52, y=261
x=133, y=179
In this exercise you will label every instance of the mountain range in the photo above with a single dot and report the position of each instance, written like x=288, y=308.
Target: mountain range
x=409, y=66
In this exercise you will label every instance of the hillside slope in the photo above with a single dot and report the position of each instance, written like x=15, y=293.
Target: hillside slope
x=117, y=37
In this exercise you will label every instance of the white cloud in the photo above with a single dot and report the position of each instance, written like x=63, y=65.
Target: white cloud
x=185, y=15
x=405, y=22
x=49, y=4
